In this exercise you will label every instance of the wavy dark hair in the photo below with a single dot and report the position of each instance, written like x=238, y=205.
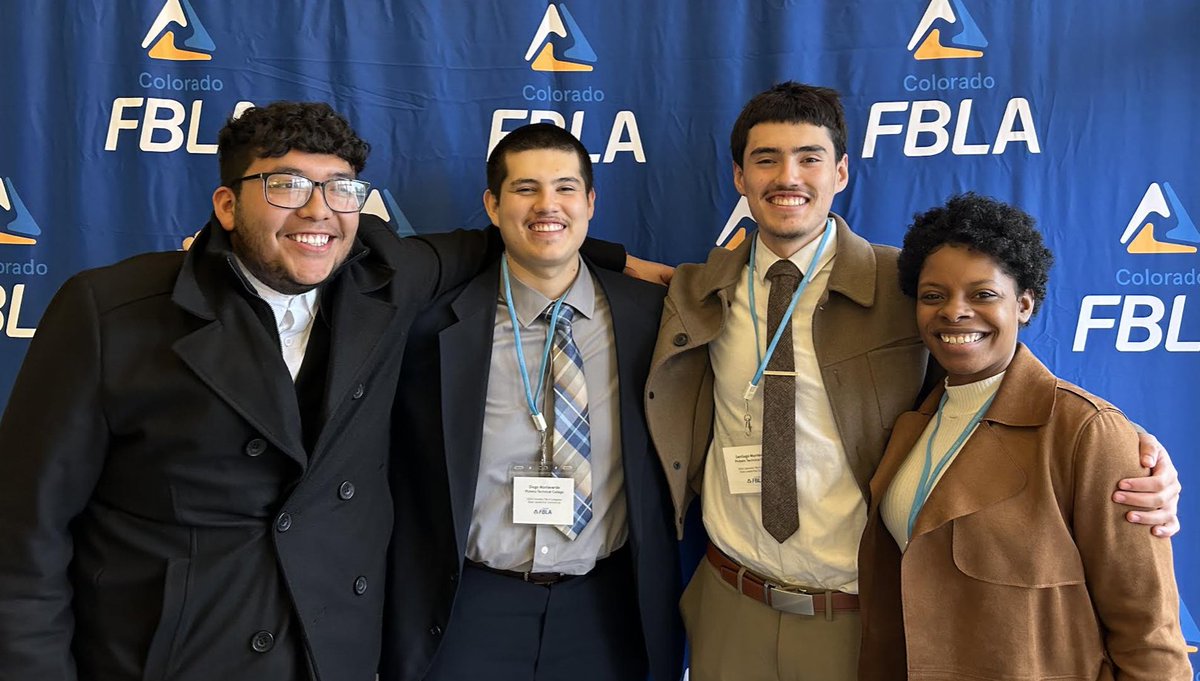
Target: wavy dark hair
x=999, y=230
x=273, y=130
x=791, y=102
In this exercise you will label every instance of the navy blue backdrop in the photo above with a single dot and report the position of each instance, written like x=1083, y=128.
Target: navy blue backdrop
x=1081, y=112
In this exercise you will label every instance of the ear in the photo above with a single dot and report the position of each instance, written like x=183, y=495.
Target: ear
x=1025, y=305
x=739, y=180
x=843, y=173
x=491, y=204
x=591, y=202
x=224, y=201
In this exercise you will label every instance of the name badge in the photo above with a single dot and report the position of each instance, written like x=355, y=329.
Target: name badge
x=743, y=469
x=543, y=501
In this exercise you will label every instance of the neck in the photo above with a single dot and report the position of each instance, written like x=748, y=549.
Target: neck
x=552, y=281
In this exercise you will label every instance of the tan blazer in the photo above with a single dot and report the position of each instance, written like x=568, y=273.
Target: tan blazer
x=1020, y=567
x=872, y=361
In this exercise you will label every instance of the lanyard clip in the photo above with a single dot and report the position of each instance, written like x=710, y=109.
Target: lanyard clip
x=539, y=422
x=751, y=388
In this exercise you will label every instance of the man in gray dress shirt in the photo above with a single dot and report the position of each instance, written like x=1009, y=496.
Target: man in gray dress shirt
x=533, y=533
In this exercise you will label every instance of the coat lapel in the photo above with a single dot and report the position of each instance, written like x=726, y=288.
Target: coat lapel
x=239, y=360
x=629, y=324
x=983, y=474
x=465, y=351
x=905, y=433
x=358, y=323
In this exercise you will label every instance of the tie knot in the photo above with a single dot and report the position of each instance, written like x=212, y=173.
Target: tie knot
x=782, y=270
x=566, y=314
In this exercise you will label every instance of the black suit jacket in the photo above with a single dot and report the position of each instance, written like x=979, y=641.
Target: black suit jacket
x=160, y=516
x=439, y=419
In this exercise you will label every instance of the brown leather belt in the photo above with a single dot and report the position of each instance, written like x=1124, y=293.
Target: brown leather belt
x=764, y=591
x=539, y=578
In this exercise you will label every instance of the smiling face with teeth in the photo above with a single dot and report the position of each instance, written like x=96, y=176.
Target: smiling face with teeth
x=789, y=175
x=542, y=209
x=968, y=312
x=292, y=250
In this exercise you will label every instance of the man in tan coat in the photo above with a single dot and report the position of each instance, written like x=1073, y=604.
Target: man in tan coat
x=803, y=322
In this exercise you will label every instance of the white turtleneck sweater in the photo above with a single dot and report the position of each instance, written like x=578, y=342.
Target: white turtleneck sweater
x=962, y=403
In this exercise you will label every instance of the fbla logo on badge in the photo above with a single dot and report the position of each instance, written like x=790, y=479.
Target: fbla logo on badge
x=179, y=14
x=1141, y=236
x=578, y=57
x=17, y=226
x=967, y=43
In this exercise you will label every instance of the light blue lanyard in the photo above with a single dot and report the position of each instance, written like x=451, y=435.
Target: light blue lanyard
x=808, y=275
x=928, y=478
x=539, y=421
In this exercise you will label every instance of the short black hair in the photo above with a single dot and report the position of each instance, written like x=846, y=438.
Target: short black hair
x=996, y=229
x=529, y=138
x=278, y=128
x=791, y=102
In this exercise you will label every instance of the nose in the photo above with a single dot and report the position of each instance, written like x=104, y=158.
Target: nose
x=790, y=172
x=545, y=201
x=956, y=308
x=316, y=208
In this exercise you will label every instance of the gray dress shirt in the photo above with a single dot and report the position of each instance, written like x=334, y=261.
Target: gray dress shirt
x=509, y=437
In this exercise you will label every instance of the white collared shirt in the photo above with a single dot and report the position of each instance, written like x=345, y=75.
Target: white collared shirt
x=294, y=316
x=823, y=553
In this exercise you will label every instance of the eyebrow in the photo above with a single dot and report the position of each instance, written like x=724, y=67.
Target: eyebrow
x=808, y=148
x=530, y=180
x=978, y=282
x=296, y=171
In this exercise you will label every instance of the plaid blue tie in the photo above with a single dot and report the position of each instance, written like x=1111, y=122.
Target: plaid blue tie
x=572, y=432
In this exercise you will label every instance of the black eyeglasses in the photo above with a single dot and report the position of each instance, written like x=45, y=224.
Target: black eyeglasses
x=288, y=190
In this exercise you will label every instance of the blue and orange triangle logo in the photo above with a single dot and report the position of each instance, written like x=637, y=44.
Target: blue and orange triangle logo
x=1142, y=235
x=17, y=226
x=739, y=224
x=578, y=57
x=382, y=205
x=176, y=15
x=966, y=42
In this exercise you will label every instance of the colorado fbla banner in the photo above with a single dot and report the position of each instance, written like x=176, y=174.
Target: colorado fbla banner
x=1081, y=112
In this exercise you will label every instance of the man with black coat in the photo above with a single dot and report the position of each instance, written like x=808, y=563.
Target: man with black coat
x=193, y=459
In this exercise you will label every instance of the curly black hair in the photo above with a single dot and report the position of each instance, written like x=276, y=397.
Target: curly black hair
x=273, y=130
x=1001, y=231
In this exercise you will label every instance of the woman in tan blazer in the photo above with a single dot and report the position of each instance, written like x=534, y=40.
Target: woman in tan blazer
x=992, y=551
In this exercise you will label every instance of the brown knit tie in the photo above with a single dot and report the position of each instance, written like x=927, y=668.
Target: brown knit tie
x=780, y=514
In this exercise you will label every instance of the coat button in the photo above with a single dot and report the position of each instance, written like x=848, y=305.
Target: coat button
x=651, y=394
x=284, y=522
x=435, y=630
x=262, y=642
x=676, y=465
x=453, y=577
x=359, y=391
x=680, y=340
x=346, y=491
x=256, y=446
x=360, y=585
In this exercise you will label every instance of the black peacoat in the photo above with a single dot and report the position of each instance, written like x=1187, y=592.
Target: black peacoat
x=160, y=515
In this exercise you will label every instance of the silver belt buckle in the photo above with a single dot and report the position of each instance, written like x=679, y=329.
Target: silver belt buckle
x=790, y=601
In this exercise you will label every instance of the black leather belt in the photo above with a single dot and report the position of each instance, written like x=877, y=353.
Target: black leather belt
x=539, y=578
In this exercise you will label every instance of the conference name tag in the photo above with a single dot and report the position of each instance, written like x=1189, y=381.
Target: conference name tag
x=743, y=469
x=543, y=501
